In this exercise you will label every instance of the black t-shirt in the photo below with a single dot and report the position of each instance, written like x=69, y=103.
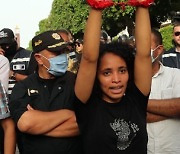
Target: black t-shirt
x=118, y=128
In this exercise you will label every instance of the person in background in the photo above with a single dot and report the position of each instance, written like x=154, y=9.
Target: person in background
x=131, y=41
x=18, y=57
x=171, y=57
x=163, y=111
x=22, y=63
x=66, y=34
x=105, y=38
x=4, y=71
x=42, y=104
x=75, y=55
x=4, y=79
x=74, y=60
x=7, y=124
x=123, y=38
x=79, y=45
x=72, y=56
x=112, y=88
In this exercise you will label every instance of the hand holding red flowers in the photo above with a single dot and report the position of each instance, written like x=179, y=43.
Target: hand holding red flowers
x=100, y=4
x=143, y=3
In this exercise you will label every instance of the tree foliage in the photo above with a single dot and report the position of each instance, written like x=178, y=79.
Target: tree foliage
x=116, y=19
x=167, y=36
x=66, y=14
x=72, y=15
x=160, y=12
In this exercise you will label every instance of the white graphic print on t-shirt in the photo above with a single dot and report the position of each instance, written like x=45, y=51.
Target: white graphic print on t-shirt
x=125, y=131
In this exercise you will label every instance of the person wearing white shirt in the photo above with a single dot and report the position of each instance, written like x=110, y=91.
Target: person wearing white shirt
x=4, y=71
x=163, y=111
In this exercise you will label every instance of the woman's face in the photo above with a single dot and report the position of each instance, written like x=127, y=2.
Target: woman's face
x=113, y=77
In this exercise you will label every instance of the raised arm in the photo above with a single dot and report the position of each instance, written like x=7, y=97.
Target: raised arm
x=87, y=71
x=143, y=65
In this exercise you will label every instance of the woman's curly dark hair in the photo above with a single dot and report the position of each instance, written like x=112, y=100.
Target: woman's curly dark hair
x=123, y=50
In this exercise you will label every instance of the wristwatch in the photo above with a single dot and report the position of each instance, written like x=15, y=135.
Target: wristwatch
x=13, y=76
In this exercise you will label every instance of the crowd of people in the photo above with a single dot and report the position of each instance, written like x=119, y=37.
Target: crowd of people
x=91, y=95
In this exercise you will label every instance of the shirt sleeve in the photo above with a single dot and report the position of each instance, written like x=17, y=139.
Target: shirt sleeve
x=176, y=83
x=18, y=101
x=4, y=71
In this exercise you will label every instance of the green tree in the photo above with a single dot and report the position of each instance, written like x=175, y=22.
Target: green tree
x=72, y=15
x=160, y=12
x=67, y=14
x=115, y=19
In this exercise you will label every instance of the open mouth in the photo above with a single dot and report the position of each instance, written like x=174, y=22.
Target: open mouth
x=116, y=90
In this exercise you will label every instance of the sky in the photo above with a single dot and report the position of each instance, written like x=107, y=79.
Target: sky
x=24, y=14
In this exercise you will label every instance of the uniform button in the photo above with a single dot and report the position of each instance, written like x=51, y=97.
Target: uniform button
x=45, y=86
x=59, y=88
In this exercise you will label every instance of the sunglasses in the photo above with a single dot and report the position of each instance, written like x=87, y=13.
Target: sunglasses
x=177, y=33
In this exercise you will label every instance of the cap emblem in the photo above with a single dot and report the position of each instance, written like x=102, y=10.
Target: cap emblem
x=3, y=34
x=56, y=36
x=37, y=43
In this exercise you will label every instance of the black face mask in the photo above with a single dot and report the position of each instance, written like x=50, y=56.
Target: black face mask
x=10, y=49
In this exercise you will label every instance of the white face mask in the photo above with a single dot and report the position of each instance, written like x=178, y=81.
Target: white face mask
x=152, y=51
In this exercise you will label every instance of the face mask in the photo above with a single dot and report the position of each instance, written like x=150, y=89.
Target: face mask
x=58, y=65
x=152, y=51
x=10, y=50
